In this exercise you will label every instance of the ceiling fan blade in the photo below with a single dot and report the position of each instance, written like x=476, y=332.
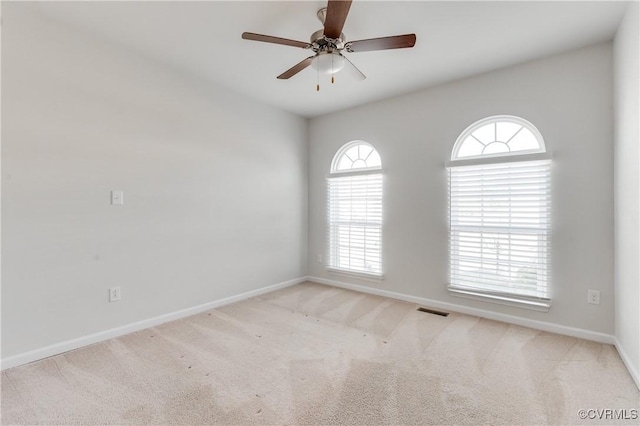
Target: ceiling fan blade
x=382, y=43
x=296, y=68
x=337, y=11
x=359, y=74
x=275, y=40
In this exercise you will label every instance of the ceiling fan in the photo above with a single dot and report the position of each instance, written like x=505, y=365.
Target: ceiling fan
x=329, y=43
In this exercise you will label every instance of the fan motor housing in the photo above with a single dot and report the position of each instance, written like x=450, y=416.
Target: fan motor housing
x=321, y=43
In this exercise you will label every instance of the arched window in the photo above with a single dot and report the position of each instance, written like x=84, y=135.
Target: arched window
x=500, y=214
x=498, y=136
x=355, y=210
x=356, y=155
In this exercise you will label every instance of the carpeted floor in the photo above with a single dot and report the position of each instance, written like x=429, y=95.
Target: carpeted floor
x=312, y=354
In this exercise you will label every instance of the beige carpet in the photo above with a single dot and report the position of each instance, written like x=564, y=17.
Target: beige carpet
x=312, y=354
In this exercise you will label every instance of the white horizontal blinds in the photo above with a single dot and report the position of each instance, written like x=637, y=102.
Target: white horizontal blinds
x=355, y=223
x=500, y=228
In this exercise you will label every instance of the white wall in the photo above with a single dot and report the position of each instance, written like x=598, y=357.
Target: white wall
x=215, y=187
x=568, y=97
x=627, y=190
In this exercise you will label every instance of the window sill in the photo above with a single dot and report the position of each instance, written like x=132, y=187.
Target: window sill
x=356, y=274
x=533, y=305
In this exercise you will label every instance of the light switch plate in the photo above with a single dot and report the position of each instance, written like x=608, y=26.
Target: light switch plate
x=117, y=197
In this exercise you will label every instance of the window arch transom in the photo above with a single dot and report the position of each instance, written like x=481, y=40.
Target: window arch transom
x=498, y=136
x=356, y=156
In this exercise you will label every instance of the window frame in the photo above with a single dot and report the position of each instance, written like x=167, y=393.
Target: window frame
x=512, y=157
x=335, y=173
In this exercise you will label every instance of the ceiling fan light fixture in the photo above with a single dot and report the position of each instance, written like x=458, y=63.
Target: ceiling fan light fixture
x=328, y=63
x=329, y=43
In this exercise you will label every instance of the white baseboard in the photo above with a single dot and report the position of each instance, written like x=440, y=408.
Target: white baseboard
x=627, y=362
x=525, y=322
x=68, y=345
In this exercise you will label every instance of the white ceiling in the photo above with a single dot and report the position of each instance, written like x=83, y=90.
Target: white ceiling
x=454, y=40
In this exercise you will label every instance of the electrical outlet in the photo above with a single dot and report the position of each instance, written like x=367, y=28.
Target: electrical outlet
x=114, y=294
x=593, y=297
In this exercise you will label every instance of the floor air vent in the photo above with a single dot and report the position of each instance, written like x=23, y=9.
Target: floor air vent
x=431, y=311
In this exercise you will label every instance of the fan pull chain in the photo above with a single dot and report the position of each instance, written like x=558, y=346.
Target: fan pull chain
x=318, y=81
x=333, y=80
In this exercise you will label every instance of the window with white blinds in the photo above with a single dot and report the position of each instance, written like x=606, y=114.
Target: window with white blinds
x=355, y=211
x=500, y=231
